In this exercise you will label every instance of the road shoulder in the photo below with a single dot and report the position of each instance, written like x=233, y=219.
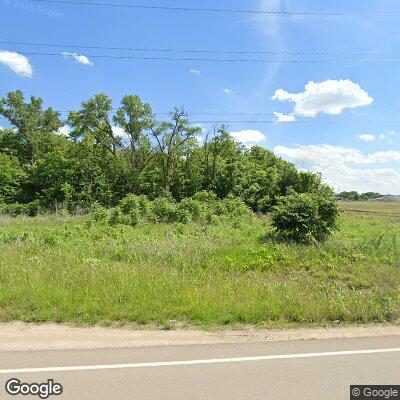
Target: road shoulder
x=19, y=336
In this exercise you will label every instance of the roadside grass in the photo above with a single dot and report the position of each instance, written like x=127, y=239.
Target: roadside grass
x=72, y=270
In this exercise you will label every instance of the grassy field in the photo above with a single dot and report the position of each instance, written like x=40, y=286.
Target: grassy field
x=74, y=270
x=388, y=208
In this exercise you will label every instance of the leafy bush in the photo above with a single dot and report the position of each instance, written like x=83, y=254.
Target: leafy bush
x=162, y=210
x=99, y=213
x=205, y=197
x=306, y=217
x=117, y=217
x=192, y=207
x=203, y=207
x=129, y=203
x=233, y=206
x=30, y=209
x=182, y=215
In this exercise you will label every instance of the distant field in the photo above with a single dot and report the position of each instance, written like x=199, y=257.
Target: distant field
x=373, y=207
x=66, y=269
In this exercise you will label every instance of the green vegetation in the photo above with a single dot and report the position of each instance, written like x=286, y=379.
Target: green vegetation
x=221, y=272
x=306, y=217
x=112, y=152
x=355, y=196
x=147, y=225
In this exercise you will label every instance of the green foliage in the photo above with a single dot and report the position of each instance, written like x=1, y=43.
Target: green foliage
x=208, y=276
x=99, y=213
x=355, y=196
x=114, y=151
x=306, y=217
x=29, y=209
x=162, y=209
x=203, y=208
x=11, y=177
x=33, y=126
x=233, y=206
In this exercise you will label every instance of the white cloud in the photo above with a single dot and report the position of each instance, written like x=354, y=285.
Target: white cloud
x=119, y=132
x=280, y=117
x=195, y=72
x=203, y=130
x=366, y=137
x=341, y=167
x=227, y=91
x=330, y=97
x=388, y=137
x=200, y=139
x=64, y=131
x=249, y=137
x=81, y=59
x=315, y=153
x=17, y=62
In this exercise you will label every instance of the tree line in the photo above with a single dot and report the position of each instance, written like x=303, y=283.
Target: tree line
x=110, y=152
x=355, y=196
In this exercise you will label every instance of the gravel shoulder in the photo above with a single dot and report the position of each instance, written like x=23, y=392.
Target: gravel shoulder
x=19, y=336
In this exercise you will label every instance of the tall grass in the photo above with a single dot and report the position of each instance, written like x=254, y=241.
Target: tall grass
x=75, y=270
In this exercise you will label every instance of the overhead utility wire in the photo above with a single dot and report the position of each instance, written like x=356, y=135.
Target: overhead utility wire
x=275, y=121
x=219, y=10
x=238, y=60
x=212, y=51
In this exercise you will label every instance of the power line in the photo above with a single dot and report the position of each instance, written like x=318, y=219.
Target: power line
x=271, y=121
x=219, y=10
x=289, y=122
x=211, y=51
x=235, y=60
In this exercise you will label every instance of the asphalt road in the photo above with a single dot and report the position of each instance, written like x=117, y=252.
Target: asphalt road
x=315, y=369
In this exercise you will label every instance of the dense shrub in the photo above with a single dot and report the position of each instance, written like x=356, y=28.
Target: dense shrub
x=306, y=217
x=99, y=213
x=233, y=206
x=30, y=209
x=162, y=210
x=203, y=207
x=205, y=197
x=192, y=207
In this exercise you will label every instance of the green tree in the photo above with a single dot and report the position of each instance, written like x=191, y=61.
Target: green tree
x=11, y=176
x=173, y=139
x=93, y=121
x=135, y=118
x=32, y=126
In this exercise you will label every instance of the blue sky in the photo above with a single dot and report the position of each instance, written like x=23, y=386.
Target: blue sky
x=346, y=123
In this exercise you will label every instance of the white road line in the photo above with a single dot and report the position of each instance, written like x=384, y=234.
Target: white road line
x=197, y=362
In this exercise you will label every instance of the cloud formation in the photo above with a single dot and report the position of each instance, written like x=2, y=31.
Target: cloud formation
x=366, y=137
x=280, y=117
x=63, y=131
x=388, y=137
x=17, y=62
x=119, y=132
x=249, y=136
x=329, y=97
x=81, y=59
x=195, y=72
x=344, y=168
x=227, y=91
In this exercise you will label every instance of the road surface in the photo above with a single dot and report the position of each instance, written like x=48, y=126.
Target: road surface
x=314, y=369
